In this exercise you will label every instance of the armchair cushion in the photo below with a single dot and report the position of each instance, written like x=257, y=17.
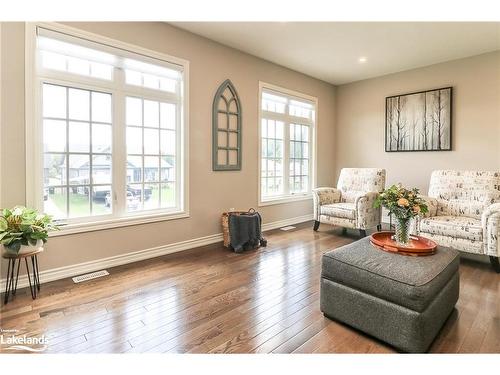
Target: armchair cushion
x=352, y=195
x=355, y=181
x=453, y=226
x=461, y=207
x=341, y=210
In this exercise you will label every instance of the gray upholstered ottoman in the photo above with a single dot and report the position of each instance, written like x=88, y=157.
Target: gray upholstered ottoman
x=399, y=299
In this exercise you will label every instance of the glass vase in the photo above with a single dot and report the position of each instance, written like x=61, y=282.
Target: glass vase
x=402, y=231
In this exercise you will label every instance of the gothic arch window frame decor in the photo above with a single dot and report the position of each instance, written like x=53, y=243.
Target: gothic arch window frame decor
x=226, y=128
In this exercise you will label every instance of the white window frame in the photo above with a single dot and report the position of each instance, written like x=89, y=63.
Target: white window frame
x=287, y=197
x=34, y=142
x=1, y=114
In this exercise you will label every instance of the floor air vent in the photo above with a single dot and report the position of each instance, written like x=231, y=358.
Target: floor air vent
x=288, y=228
x=90, y=276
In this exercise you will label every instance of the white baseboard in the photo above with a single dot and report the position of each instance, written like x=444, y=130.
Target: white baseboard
x=135, y=256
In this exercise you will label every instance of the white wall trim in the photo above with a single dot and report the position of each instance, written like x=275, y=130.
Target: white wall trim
x=286, y=199
x=135, y=256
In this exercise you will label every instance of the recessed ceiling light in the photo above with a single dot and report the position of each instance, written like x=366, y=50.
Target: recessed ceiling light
x=362, y=59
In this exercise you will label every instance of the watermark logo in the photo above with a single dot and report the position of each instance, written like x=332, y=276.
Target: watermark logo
x=11, y=341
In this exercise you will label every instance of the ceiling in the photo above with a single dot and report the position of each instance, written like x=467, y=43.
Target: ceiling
x=330, y=51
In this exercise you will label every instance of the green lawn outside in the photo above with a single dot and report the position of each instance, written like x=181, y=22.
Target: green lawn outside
x=79, y=203
x=167, y=197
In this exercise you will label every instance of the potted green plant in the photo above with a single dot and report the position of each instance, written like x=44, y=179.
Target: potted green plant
x=23, y=230
x=404, y=204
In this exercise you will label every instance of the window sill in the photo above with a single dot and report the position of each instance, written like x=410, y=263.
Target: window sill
x=117, y=223
x=286, y=199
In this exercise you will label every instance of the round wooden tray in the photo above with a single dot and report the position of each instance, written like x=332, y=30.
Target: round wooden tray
x=418, y=246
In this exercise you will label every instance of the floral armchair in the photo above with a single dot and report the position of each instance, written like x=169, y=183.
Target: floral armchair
x=464, y=212
x=350, y=205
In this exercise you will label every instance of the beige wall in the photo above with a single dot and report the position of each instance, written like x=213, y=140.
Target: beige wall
x=350, y=132
x=210, y=192
x=360, y=118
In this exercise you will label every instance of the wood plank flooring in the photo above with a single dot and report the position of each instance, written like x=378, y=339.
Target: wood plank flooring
x=211, y=300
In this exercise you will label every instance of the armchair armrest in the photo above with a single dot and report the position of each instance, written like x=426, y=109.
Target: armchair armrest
x=363, y=199
x=324, y=195
x=367, y=215
x=491, y=210
x=490, y=221
x=432, y=205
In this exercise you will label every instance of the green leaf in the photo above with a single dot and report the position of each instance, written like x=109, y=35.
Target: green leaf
x=7, y=241
x=25, y=226
x=18, y=211
x=3, y=224
x=38, y=235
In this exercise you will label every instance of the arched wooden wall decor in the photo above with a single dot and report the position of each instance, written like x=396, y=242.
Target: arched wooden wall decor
x=226, y=129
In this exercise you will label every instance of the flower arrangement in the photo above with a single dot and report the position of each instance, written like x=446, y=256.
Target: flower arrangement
x=21, y=226
x=404, y=204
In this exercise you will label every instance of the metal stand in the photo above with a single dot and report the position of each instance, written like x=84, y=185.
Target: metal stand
x=13, y=275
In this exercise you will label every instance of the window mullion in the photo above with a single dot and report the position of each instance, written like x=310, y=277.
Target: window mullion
x=119, y=157
x=67, y=154
x=38, y=153
x=179, y=157
x=286, y=154
x=310, y=157
x=91, y=156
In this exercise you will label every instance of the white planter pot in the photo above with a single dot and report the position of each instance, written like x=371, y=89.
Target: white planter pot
x=25, y=249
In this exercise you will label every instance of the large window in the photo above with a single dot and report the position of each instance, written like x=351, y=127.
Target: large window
x=112, y=126
x=286, y=151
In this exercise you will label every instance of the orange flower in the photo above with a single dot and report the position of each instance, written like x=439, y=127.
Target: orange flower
x=416, y=209
x=403, y=202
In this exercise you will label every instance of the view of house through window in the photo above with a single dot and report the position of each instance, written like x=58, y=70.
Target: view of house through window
x=111, y=130
x=150, y=154
x=77, y=139
x=287, y=123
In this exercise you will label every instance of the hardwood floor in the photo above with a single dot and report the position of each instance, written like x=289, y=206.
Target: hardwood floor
x=211, y=300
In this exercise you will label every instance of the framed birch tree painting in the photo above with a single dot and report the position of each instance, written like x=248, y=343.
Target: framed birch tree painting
x=419, y=121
